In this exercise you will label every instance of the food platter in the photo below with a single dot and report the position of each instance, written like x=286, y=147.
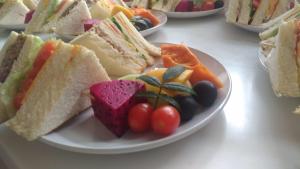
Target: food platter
x=85, y=134
x=160, y=15
x=193, y=14
x=14, y=27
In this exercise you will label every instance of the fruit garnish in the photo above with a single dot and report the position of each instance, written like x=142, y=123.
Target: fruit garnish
x=165, y=120
x=201, y=72
x=141, y=23
x=178, y=54
x=188, y=107
x=206, y=93
x=139, y=117
x=144, y=13
x=28, y=16
x=89, y=23
x=118, y=8
x=111, y=102
x=166, y=83
x=183, y=79
x=208, y=5
x=184, y=6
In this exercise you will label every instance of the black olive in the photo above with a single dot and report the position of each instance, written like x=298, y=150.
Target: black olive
x=188, y=107
x=219, y=4
x=141, y=25
x=206, y=93
x=149, y=23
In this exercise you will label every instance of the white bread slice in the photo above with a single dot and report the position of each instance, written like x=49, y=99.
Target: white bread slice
x=39, y=17
x=72, y=24
x=282, y=7
x=170, y=6
x=51, y=25
x=132, y=43
x=140, y=3
x=136, y=37
x=283, y=69
x=287, y=16
x=245, y=12
x=40, y=21
x=233, y=11
x=13, y=12
x=54, y=96
x=10, y=40
x=31, y=4
x=101, y=9
x=260, y=12
x=20, y=68
x=113, y=52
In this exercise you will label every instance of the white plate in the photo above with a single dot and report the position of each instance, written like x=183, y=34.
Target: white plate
x=160, y=15
x=86, y=134
x=14, y=27
x=252, y=28
x=162, y=21
x=193, y=14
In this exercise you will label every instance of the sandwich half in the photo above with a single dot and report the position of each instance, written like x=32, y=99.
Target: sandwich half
x=101, y=9
x=71, y=21
x=255, y=12
x=283, y=62
x=12, y=12
x=117, y=55
x=46, y=15
x=119, y=46
x=54, y=89
x=163, y=5
x=288, y=16
x=233, y=12
x=16, y=59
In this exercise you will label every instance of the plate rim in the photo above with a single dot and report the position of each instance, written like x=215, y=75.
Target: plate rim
x=156, y=28
x=154, y=143
x=144, y=33
x=13, y=27
x=196, y=14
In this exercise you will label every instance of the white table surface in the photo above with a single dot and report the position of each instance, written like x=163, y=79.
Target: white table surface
x=256, y=130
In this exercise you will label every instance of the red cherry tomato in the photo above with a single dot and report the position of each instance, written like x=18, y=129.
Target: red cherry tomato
x=208, y=5
x=165, y=120
x=139, y=117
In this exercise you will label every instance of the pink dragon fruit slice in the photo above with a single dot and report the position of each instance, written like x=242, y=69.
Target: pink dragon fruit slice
x=111, y=102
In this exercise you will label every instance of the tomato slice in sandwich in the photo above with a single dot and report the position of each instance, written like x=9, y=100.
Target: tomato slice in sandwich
x=44, y=54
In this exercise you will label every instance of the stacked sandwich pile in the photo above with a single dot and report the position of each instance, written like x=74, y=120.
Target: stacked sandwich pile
x=179, y=5
x=256, y=12
x=46, y=83
x=13, y=12
x=74, y=17
x=66, y=16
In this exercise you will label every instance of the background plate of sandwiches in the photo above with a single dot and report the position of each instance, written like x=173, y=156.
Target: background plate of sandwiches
x=182, y=8
x=279, y=54
x=13, y=13
x=268, y=37
x=257, y=15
